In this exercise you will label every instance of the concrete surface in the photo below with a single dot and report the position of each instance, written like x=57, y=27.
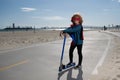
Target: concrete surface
x=41, y=62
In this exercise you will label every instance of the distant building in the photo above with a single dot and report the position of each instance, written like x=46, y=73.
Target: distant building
x=13, y=25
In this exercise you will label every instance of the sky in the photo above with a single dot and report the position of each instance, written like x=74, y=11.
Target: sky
x=58, y=13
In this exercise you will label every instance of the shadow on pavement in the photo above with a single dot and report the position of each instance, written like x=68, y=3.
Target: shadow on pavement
x=69, y=75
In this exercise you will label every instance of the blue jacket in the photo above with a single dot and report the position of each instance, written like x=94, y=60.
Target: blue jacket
x=76, y=33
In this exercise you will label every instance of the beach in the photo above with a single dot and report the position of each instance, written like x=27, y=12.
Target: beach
x=109, y=70
x=10, y=40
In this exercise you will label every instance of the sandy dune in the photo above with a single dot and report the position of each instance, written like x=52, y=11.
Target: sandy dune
x=10, y=40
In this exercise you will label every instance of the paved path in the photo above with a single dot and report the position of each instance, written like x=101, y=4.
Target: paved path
x=41, y=62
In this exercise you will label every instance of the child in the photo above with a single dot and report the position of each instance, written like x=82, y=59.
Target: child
x=76, y=33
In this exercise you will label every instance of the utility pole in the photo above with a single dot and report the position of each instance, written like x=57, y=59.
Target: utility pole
x=34, y=29
x=13, y=25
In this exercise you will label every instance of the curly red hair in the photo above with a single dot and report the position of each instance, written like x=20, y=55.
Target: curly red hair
x=77, y=16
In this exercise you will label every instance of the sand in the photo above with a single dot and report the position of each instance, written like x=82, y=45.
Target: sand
x=10, y=40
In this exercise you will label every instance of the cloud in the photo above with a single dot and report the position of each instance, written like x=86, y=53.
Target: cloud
x=53, y=18
x=37, y=17
x=116, y=0
x=48, y=10
x=105, y=10
x=27, y=9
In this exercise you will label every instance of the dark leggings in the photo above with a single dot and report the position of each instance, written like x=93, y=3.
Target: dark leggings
x=79, y=50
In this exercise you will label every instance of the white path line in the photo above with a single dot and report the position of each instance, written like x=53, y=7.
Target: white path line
x=95, y=71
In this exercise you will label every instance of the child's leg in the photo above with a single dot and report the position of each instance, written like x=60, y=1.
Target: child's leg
x=71, y=49
x=79, y=49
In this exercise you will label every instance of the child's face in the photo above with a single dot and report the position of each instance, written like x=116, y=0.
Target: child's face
x=76, y=20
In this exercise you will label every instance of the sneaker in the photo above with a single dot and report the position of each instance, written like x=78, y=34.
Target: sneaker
x=78, y=66
x=63, y=66
x=69, y=63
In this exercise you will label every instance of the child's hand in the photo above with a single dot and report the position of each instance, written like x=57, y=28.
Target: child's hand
x=61, y=33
